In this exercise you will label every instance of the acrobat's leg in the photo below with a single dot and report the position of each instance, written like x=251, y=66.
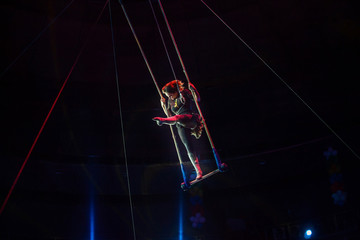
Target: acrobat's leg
x=183, y=119
x=185, y=136
x=169, y=121
x=195, y=162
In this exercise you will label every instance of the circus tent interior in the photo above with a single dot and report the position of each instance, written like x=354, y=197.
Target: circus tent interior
x=81, y=157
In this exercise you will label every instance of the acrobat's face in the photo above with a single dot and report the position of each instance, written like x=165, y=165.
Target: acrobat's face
x=172, y=96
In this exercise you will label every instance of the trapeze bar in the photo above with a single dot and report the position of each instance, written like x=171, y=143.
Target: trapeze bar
x=187, y=186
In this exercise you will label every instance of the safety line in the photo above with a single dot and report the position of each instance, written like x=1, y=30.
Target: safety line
x=167, y=111
x=162, y=39
x=166, y=50
x=141, y=50
x=49, y=113
x=217, y=158
x=282, y=80
x=122, y=124
x=173, y=40
x=34, y=40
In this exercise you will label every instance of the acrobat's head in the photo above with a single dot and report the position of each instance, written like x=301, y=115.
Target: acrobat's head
x=172, y=89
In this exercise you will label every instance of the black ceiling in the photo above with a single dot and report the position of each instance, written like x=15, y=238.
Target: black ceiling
x=312, y=45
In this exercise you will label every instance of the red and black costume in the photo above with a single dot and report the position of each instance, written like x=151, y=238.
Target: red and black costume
x=188, y=122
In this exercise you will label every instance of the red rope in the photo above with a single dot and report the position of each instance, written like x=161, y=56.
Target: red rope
x=186, y=75
x=47, y=117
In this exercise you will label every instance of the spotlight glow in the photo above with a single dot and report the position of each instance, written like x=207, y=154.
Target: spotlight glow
x=307, y=234
x=92, y=219
x=181, y=217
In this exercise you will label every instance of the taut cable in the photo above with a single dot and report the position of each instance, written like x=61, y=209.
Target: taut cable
x=282, y=80
x=48, y=115
x=122, y=125
x=34, y=40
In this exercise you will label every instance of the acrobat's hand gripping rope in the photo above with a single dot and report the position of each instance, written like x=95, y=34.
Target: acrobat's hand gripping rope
x=221, y=166
x=158, y=89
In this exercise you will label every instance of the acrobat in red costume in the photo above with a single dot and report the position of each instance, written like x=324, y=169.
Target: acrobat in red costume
x=181, y=111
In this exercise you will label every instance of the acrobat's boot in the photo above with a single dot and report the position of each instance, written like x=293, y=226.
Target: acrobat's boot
x=160, y=121
x=196, y=164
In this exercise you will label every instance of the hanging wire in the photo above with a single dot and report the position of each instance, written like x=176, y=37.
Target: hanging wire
x=122, y=125
x=158, y=89
x=178, y=88
x=162, y=39
x=282, y=80
x=173, y=40
x=49, y=113
x=217, y=158
x=182, y=99
x=141, y=50
x=34, y=40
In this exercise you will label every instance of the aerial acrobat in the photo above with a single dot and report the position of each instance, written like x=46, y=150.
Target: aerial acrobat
x=188, y=122
x=180, y=110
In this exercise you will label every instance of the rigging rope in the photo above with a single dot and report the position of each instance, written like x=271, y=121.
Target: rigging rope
x=162, y=39
x=178, y=88
x=282, y=80
x=34, y=40
x=49, y=113
x=217, y=158
x=122, y=124
x=166, y=50
x=157, y=87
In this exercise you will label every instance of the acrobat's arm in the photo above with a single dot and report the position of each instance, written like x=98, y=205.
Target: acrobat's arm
x=164, y=107
x=194, y=90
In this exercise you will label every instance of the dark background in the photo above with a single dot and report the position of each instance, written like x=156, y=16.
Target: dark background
x=273, y=142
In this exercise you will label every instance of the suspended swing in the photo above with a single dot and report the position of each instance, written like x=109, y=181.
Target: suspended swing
x=221, y=167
